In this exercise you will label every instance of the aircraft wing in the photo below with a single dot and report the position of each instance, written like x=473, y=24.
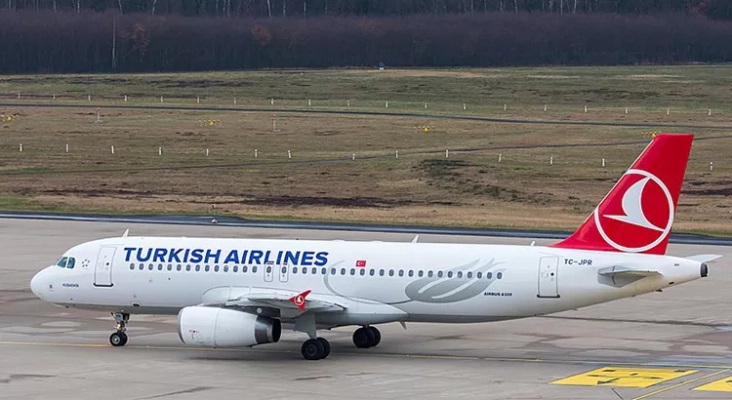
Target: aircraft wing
x=286, y=301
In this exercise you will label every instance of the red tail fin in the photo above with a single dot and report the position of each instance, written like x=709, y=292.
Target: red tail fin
x=636, y=216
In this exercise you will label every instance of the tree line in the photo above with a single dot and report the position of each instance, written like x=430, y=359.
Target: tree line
x=313, y=8
x=47, y=42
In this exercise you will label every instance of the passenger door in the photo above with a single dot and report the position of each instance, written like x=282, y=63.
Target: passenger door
x=103, y=268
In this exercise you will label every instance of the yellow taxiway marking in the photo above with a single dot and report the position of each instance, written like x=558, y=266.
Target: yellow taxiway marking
x=722, y=385
x=625, y=377
x=686, y=382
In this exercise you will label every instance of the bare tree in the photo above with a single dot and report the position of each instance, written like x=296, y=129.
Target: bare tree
x=120, y=6
x=284, y=8
x=269, y=9
x=304, y=8
x=154, y=3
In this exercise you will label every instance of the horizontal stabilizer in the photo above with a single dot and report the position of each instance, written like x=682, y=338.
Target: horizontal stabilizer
x=619, y=270
x=704, y=258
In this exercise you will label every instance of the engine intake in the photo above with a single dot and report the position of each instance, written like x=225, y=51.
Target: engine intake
x=223, y=327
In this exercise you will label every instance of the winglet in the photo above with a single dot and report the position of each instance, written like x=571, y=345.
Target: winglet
x=299, y=300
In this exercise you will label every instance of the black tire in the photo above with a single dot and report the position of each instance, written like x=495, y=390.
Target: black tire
x=362, y=338
x=377, y=336
x=326, y=347
x=312, y=349
x=118, y=339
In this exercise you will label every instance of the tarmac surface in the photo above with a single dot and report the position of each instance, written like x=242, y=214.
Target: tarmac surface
x=671, y=345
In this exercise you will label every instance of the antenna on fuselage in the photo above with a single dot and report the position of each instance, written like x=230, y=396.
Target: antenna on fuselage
x=126, y=232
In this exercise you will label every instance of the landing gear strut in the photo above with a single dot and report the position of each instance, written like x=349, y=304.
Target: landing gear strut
x=366, y=337
x=119, y=338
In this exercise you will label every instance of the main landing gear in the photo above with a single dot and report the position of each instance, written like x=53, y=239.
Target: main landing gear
x=119, y=338
x=315, y=349
x=366, y=337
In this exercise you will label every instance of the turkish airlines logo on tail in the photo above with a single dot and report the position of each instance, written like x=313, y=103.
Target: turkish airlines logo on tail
x=642, y=218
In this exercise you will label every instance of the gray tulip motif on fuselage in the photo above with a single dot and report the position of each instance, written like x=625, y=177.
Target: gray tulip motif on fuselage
x=446, y=289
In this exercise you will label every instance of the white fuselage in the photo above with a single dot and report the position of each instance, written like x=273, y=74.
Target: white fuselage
x=420, y=282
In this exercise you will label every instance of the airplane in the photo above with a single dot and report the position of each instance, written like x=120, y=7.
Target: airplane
x=238, y=292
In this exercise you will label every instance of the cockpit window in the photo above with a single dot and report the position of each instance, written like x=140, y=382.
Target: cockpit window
x=66, y=262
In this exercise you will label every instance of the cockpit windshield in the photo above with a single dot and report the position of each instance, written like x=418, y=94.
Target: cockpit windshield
x=66, y=262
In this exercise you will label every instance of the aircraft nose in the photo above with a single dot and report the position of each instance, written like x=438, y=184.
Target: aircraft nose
x=39, y=283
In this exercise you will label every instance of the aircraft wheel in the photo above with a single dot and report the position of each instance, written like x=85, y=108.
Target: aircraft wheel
x=363, y=338
x=377, y=336
x=326, y=347
x=312, y=349
x=118, y=339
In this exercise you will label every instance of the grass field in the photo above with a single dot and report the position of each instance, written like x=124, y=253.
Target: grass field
x=322, y=181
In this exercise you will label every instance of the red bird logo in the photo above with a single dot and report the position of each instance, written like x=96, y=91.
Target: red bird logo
x=299, y=300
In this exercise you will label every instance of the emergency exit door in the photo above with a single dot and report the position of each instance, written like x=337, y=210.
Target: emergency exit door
x=103, y=269
x=549, y=277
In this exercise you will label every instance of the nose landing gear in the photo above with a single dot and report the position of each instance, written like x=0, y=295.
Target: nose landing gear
x=119, y=338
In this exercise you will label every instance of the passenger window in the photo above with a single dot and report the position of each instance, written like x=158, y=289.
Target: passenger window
x=141, y=267
x=188, y=267
x=460, y=274
x=449, y=274
x=333, y=271
x=363, y=272
x=207, y=268
x=244, y=269
x=411, y=273
x=429, y=274
x=150, y=266
x=420, y=273
x=269, y=270
x=324, y=271
x=284, y=269
x=132, y=266
x=236, y=268
x=254, y=269
x=479, y=275
x=439, y=274
x=391, y=272
x=177, y=267
x=304, y=271
x=198, y=267
x=401, y=272
x=489, y=275
x=216, y=268
x=470, y=275
x=170, y=267
x=381, y=272
x=160, y=267
x=343, y=271
x=499, y=275
x=353, y=271
x=226, y=268
x=372, y=272
x=314, y=271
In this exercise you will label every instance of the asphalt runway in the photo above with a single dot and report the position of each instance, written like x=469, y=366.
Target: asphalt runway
x=671, y=345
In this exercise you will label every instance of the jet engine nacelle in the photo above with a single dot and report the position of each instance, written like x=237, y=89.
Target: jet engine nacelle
x=222, y=327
